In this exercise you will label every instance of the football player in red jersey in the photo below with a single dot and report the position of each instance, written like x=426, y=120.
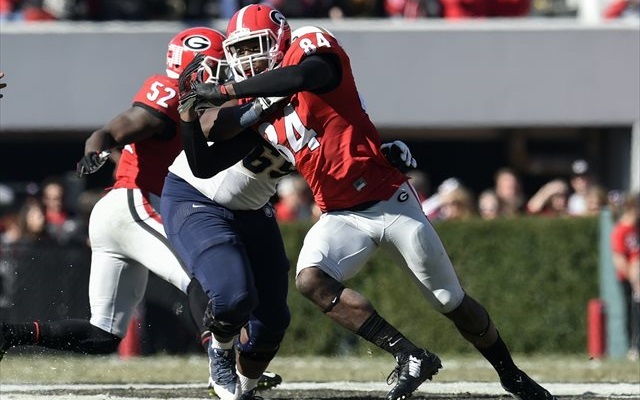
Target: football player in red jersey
x=213, y=213
x=326, y=133
x=125, y=230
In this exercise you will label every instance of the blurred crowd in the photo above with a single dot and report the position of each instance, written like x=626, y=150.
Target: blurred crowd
x=579, y=194
x=167, y=10
x=48, y=212
x=44, y=213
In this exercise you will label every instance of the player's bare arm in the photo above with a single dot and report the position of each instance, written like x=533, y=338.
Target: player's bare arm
x=132, y=125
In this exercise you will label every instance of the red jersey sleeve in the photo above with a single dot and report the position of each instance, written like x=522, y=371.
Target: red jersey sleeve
x=159, y=94
x=144, y=164
x=329, y=136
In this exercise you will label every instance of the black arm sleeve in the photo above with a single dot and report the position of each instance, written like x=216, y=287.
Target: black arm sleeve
x=205, y=161
x=316, y=73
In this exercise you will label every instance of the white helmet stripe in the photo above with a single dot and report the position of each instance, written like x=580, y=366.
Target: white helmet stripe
x=240, y=18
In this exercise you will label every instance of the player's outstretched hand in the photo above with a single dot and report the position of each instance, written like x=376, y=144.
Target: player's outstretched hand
x=186, y=82
x=91, y=162
x=214, y=94
x=399, y=155
x=2, y=84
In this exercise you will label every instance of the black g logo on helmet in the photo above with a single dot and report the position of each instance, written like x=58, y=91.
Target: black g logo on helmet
x=277, y=17
x=197, y=43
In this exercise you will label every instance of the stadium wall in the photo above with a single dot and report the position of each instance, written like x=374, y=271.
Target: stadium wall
x=412, y=74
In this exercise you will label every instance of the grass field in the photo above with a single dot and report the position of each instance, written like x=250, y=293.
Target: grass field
x=64, y=377
x=193, y=369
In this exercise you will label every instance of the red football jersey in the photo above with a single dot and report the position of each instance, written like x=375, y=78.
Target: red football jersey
x=144, y=164
x=330, y=138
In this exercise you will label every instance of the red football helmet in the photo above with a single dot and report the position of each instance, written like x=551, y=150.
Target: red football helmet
x=257, y=38
x=186, y=44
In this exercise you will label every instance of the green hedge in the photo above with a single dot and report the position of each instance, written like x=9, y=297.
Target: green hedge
x=534, y=275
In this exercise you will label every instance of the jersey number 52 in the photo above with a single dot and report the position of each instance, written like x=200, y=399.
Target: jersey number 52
x=160, y=94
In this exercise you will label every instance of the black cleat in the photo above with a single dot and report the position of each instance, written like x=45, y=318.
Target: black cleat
x=412, y=369
x=521, y=387
x=269, y=380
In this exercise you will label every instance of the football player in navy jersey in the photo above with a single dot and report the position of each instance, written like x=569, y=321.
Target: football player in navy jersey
x=323, y=130
x=220, y=221
x=126, y=233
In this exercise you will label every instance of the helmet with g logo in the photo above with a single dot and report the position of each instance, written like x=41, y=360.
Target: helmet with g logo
x=257, y=38
x=186, y=44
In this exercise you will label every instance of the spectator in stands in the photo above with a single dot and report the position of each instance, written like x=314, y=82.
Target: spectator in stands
x=47, y=10
x=457, y=204
x=622, y=9
x=581, y=180
x=53, y=200
x=32, y=223
x=412, y=9
x=432, y=207
x=626, y=259
x=53, y=197
x=509, y=191
x=488, y=205
x=9, y=229
x=62, y=226
x=550, y=199
x=420, y=182
x=461, y=9
x=596, y=200
x=295, y=201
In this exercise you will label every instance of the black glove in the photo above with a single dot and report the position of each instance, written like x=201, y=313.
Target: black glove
x=187, y=96
x=91, y=162
x=399, y=155
x=214, y=94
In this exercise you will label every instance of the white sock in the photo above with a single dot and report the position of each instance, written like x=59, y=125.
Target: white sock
x=221, y=345
x=246, y=384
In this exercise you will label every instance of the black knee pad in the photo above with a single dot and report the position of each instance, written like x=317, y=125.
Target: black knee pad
x=198, y=301
x=220, y=327
x=262, y=344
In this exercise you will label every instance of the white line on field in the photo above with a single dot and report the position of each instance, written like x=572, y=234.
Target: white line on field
x=625, y=390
